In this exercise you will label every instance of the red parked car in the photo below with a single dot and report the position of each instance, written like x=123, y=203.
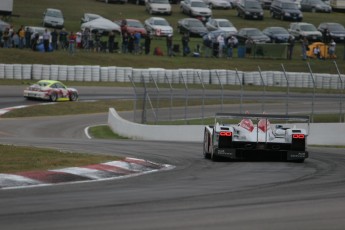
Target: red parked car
x=131, y=26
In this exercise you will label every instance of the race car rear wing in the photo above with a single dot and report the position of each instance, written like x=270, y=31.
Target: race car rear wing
x=231, y=118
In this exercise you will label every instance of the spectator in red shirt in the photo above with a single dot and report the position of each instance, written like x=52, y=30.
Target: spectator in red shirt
x=71, y=41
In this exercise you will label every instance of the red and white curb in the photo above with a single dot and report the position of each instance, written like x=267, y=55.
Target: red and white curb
x=104, y=171
x=6, y=110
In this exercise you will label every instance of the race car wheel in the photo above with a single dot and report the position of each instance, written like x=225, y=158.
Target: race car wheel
x=73, y=96
x=53, y=97
x=206, y=154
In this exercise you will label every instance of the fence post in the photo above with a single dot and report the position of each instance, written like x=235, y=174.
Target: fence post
x=158, y=96
x=136, y=97
x=241, y=95
x=287, y=91
x=171, y=95
x=203, y=98
x=186, y=97
x=314, y=86
x=264, y=92
x=341, y=93
x=222, y=92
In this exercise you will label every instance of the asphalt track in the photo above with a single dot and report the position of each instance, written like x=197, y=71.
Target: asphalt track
x=197, y=194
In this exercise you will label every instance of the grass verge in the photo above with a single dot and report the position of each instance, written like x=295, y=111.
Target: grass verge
x=19, y=159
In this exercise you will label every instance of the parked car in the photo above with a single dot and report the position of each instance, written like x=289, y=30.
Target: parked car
x=158, y=7
x=250, y=9
x=266, y=4
x=218, y=4
x=221, y=24
x=285, y=10
x=315, y=6
x=137, y=2
x=336, y=30
x=303, y=29
x=192, y=26
x=89, y=17
x=131, y=26
x=53, y=18
x=115, y=1
x=196, y=8
x=50, y=90
x=158, y=26
x=254, y=34
x=277, y=34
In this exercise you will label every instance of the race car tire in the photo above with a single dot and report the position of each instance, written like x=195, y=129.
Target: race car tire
x=206, y=154
x=73, y=96
x=299, y=161
x=53, y=97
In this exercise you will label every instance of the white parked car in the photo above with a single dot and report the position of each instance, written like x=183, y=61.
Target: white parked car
x=158, y=7
x=158, y=26
x=218, y=4
x=221, y=24
x=196, y=8
x=303, y=29
x=53, y=18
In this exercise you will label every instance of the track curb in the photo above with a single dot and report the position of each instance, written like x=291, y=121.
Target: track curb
x=104, y=171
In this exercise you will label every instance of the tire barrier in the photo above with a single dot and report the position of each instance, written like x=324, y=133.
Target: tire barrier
x=178, y=76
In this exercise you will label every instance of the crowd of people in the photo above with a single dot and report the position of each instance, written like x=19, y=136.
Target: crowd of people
x=97, y=41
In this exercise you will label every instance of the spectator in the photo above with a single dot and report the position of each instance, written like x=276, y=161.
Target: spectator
x=207, y=45
x=28, y=38
x=131, y=43
x=103, y=42
x=317, y=52
x=111, y=42
x=54, y=36
x=231, y=44
x=78, y=40
x=185, y=44
x=34, y=41
x=305, y=48
x=137, y=38
x=46, y=40
x=85, y=39
x=249, y=45
x=71, y=43
x=1, y=42
x=221, y=43
x=125, y=41
x=6, y=38
x=15, y=40
x=147, y=43
x=63, y=39
x=291, y=44
x=331, y=49
x=21, y=34
x=326, y=36
x=169, y=41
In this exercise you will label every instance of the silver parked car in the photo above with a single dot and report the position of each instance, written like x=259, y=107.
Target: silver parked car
x=53, y=18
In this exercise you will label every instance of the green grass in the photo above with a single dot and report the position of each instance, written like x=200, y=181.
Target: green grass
x=15, y=159
x=104, y=132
